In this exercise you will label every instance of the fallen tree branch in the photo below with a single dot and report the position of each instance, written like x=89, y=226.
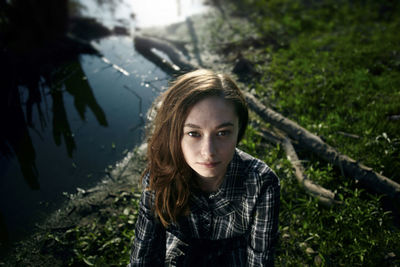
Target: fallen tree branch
x=324, y=196
x=365, y=175
x=178, y=64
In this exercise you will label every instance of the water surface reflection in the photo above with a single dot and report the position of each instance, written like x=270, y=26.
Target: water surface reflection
x=67, y=112
x=73, y=92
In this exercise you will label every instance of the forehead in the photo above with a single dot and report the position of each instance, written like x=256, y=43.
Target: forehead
x=212, y=109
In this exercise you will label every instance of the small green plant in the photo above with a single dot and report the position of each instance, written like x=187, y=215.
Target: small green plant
x=104, y=241
x=109, y=243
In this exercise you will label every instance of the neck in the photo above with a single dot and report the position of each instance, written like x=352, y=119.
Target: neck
x=210, y=185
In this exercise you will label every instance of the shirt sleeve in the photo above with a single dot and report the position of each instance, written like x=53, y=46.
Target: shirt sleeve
x=264, y=230
x=149, y=243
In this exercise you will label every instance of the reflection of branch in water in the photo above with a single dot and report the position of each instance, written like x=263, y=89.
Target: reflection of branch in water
x=83, y=95
x=141, y=122
x=36, y=94
x=34, y=45
x=138, y=125
x=118, y=68
x=34, y=98
x=61, y=75
x=166, y=78
x=23, y=148
x=155, y=88
x=4, y=238
x=42, y=86
x=14, y=137
x=60, y=123
x=137, y=95
x=150, y=83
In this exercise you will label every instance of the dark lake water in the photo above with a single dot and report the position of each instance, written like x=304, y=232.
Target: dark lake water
x=88, y=118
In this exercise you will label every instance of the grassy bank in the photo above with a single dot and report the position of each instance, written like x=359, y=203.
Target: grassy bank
x=333, y=67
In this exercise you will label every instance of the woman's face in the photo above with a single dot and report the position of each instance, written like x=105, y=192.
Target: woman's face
x=210, y=135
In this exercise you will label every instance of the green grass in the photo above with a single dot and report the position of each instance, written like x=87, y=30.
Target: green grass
x=333, y=67
x=346, y=89
x=359, y=232
x=337, y=71
x=103, y=243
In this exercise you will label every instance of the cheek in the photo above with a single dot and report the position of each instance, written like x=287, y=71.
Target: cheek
x=183, y=148
x=230, y=149
x=226, y=149
x=187, y=149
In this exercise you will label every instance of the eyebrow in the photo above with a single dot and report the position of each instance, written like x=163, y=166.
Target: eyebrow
x=222, y=125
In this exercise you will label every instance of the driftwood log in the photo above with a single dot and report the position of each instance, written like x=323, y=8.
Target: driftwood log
x=351, y=168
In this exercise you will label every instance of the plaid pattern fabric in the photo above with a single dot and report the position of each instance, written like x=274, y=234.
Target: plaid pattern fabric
x=235, y=226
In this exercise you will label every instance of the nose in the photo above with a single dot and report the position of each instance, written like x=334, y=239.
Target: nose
x=208, y=147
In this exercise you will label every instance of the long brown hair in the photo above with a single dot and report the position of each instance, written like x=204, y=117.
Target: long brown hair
x=170, y=176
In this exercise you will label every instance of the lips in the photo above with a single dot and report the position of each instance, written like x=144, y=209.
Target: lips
x=209, y=164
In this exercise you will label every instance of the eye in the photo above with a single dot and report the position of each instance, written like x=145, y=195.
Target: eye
x=193, y=134
x=223, y=133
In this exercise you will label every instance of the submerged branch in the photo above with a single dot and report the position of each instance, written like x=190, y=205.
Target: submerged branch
x=178, y=64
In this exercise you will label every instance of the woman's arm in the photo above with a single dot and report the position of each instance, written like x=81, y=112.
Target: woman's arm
x=264, y=230
x=149, y=244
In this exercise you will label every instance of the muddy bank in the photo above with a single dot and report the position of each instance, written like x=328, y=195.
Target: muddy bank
x=90, y=208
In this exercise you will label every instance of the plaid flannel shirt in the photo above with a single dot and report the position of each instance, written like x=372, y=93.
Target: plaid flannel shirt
x=235, y=226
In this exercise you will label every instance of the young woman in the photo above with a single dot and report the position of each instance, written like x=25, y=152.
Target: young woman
x=205, y=202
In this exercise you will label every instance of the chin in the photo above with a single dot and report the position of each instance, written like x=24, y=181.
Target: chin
x=208, y=175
